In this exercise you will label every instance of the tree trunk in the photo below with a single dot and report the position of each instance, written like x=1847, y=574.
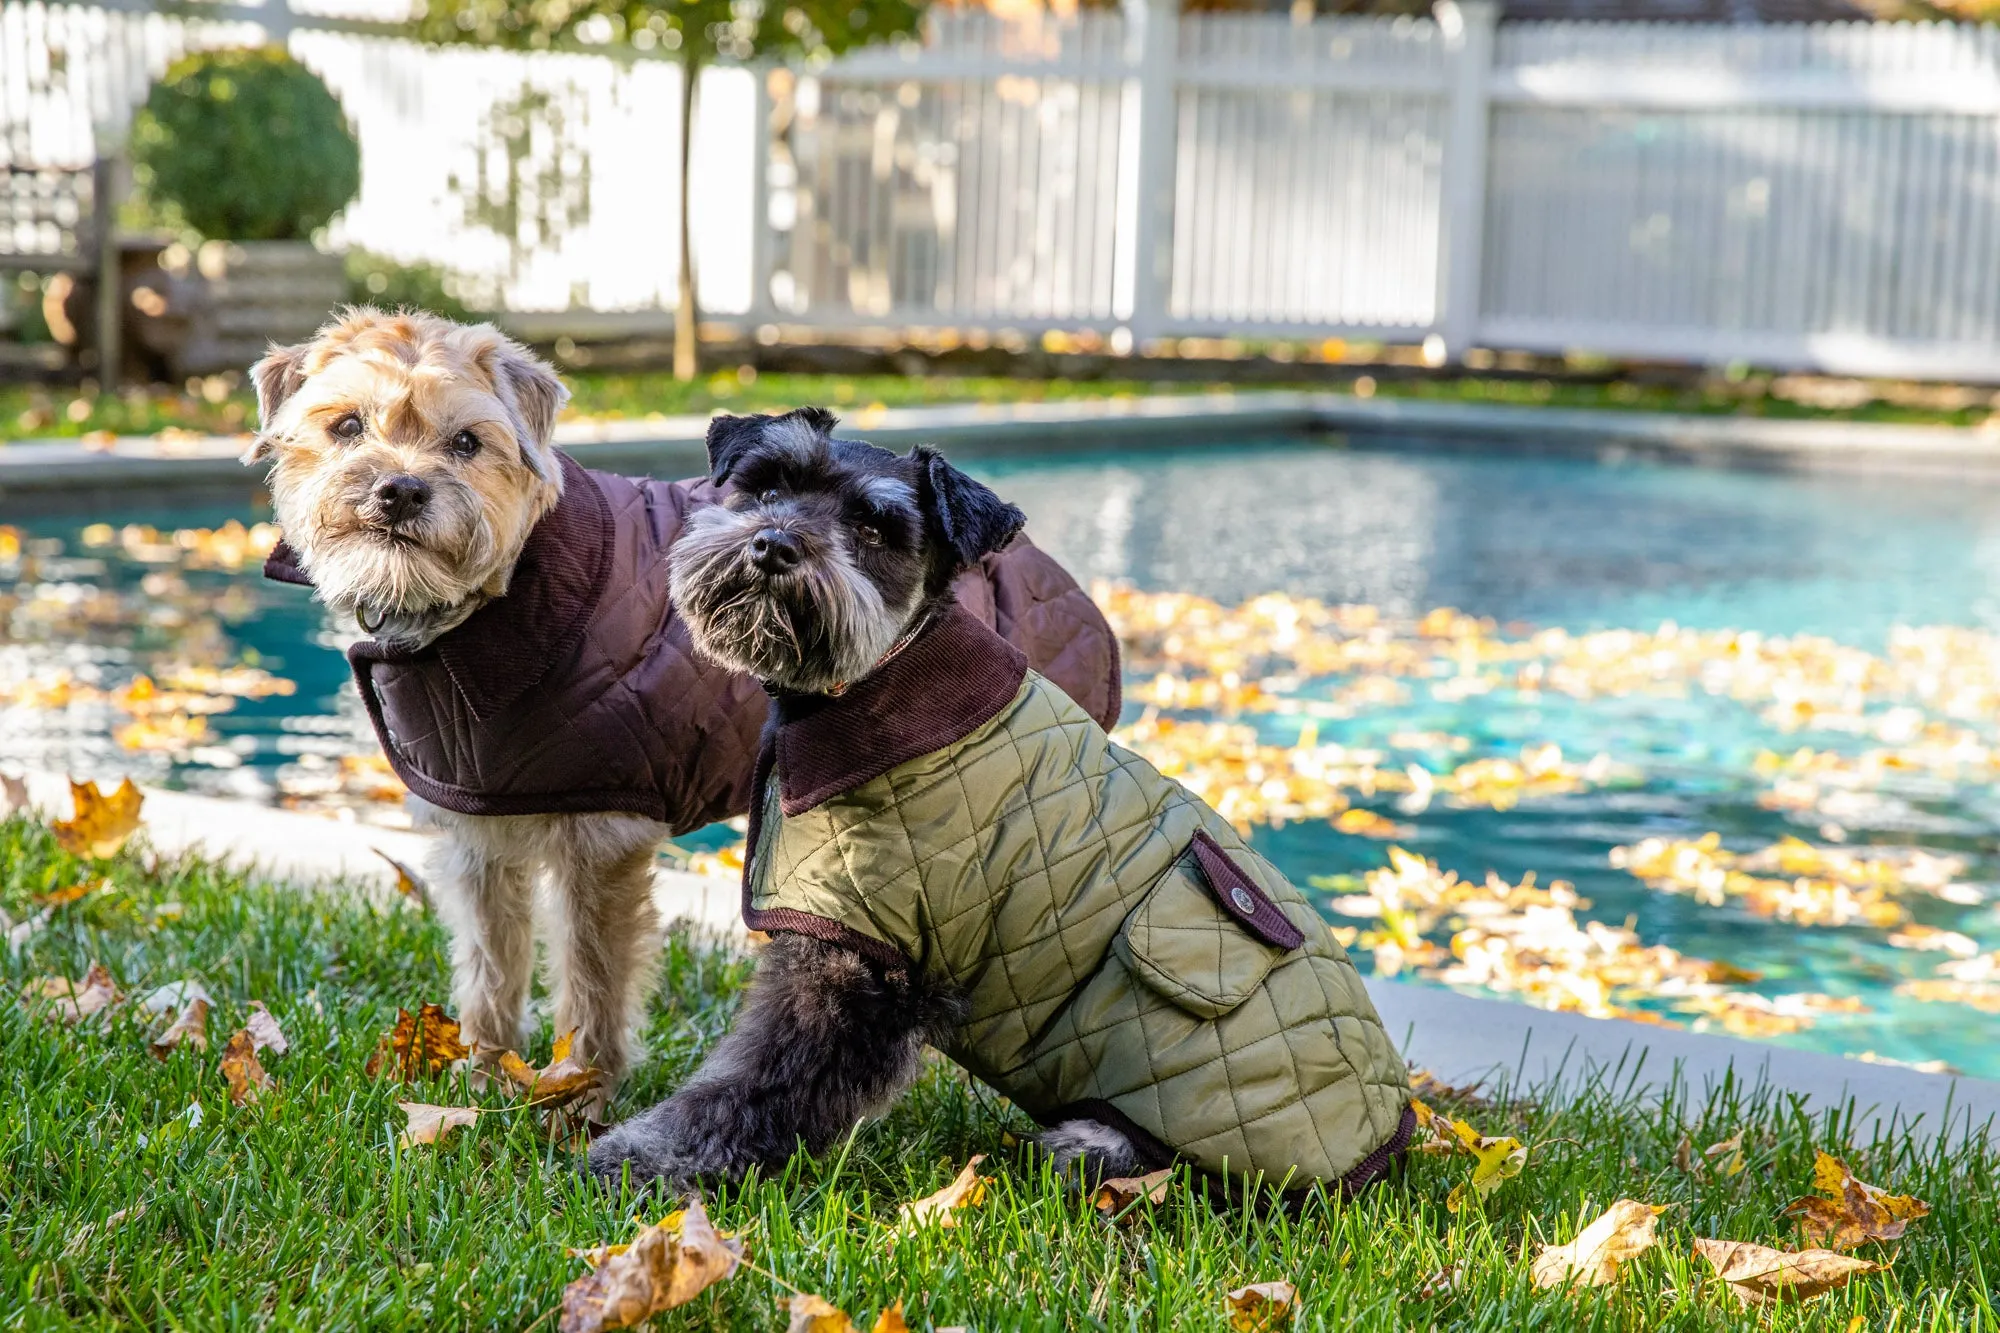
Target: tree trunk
x=687, y=349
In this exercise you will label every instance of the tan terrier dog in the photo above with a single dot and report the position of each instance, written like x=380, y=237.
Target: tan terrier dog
x=411, y=459
x=528, y=676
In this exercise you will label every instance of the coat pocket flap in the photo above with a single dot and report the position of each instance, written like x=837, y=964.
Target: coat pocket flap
x=1193, y=944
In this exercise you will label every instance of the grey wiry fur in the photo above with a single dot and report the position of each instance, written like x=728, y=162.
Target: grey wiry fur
x=825, y=1038
x=1087, y=1151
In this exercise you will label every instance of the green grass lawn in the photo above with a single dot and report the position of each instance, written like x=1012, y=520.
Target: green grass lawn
x=221, y=405
x=302, y=1212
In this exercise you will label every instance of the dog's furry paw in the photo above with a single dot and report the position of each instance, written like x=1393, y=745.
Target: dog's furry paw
x=1088, y=1151
x=667, y=1144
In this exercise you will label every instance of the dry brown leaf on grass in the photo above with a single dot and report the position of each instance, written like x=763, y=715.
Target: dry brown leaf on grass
x=1262, y=1307
x=76, y=892
x=1116, y=1195
x=423, y=1044
x=816, y=1314
x=1726, y=1158
x=666, y=1265
x=1623, y=1232
x=265, y=1034
x=247, y=1079
x=1423, y=1083
x=429, y=1124
x=74, y=1001
x=968, y=1190
x=101, y=823
x=1760, y=1275
x=1441, y=1283
x=408, y=882
x=189, y=1028
x=562, y=1080
x=1847, y=1212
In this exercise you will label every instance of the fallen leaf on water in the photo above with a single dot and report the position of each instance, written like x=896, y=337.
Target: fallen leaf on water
x=666, y=1265
x=1623, y=1232
x=101, y=823
x=1262, y=1307
x=429, y=1124
x=1760, y=1275
x=1496, y=1160
x=74, y=1001
x=422, y=1044
x=1114, y=1196
x=1368, y=824
x=1847, y=1212
x=408, y=882
x=562, y=1080
x=265, y=1034
x=967, y=1191
x=189, y=1028
x=247, y=1079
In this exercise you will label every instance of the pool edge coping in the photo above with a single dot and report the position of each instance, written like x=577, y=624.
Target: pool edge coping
x=45, y=466
x=1461, y=1039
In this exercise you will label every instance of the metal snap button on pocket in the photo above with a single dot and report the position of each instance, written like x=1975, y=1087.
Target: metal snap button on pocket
x=1244, y=902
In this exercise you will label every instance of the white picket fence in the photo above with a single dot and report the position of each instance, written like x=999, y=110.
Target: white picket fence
x=1822, y=196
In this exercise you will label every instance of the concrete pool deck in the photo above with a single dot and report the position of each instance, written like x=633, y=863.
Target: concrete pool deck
x=48, y=468
x=1460, y=1039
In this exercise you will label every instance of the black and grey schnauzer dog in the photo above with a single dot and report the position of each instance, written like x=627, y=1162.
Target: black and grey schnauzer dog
x=828, y=557
x=946, y=850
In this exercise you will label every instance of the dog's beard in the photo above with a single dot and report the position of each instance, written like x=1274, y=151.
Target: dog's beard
x=428, y=565
x=821, y=624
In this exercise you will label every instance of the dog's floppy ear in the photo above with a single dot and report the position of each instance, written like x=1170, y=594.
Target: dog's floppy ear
x=277, y=377
x=729, y=438
x=964, y=515
x=538, y=397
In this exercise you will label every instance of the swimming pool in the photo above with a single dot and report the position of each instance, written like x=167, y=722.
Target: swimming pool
x=1289, y=659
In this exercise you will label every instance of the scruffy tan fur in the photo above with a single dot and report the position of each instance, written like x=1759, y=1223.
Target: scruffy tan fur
x=466, y=415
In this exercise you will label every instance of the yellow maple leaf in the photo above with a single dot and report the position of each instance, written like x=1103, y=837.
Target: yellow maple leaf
x=1623, y=1232
x=1262, y=1307
x=101, y=823
x=1847, y=1212
x=666, y=1265
x=968, y=1190
x=563, y=1080
x=1494, y=1160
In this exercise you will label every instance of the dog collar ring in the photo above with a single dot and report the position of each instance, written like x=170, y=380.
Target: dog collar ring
x=361, y=619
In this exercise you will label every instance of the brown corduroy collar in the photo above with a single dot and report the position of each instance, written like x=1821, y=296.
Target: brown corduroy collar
x=952, y=678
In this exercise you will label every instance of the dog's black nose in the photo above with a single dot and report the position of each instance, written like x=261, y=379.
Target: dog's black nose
x=774, y=550
x=402, y=498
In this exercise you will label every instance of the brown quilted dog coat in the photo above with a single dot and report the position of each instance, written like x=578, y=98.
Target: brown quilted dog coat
x=579, y=691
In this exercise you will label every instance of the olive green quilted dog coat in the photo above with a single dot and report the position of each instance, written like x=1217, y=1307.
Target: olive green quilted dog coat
x=1124, y=954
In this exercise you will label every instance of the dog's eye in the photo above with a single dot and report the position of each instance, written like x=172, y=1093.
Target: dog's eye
x=465, y=444
x=769, y=497
x=348, y=427
x=870, y=536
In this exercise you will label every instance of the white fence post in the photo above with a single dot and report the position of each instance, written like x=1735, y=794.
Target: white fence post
x=1152, y=45
x=761, y=309
x=1468, y=27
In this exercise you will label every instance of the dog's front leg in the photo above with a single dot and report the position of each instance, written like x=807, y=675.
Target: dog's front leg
x=485, y=893
x=825, y=1037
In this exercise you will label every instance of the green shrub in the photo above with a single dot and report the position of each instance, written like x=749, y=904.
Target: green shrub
x=247, y=144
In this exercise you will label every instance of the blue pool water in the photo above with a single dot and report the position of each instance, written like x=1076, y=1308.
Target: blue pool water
x=1530, y=542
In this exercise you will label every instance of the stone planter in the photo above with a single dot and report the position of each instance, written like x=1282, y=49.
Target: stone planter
x=219, y=307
